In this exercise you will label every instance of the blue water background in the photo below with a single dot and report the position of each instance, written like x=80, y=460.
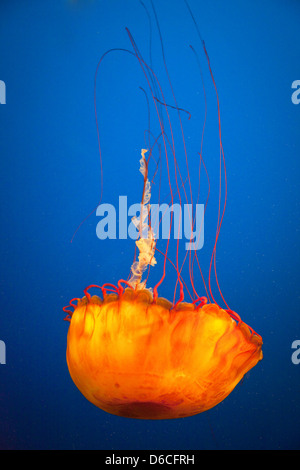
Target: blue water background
x=50, y=181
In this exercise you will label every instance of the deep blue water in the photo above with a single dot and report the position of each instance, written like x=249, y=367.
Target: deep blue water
x=50, y=181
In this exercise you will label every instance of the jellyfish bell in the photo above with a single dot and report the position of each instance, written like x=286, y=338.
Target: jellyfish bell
x=135, y=357
x=135, y=354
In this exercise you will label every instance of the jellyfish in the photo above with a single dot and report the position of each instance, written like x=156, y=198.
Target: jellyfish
x=133, y=353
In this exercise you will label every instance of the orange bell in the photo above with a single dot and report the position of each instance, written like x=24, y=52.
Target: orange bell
x=137, y=358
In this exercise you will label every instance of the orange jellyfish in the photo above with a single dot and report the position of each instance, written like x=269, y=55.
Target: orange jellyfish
x=135, y=354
